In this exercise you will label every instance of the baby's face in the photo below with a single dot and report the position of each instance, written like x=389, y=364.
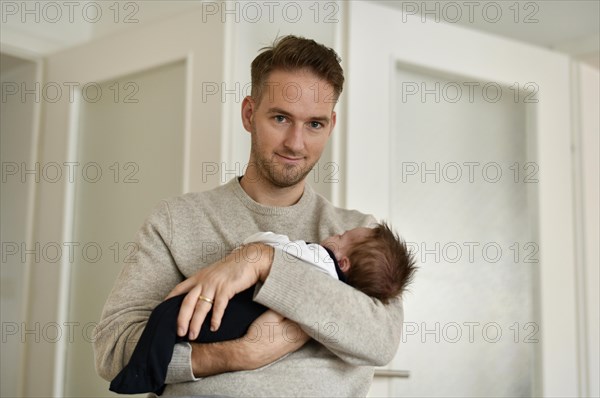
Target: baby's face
x=342, y=243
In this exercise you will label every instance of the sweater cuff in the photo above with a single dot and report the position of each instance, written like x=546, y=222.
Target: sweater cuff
x=180, y=368
x=283, y=287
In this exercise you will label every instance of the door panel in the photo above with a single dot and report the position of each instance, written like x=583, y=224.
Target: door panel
x=460, y=182
x=149, y=134
x=461, y=212
x=18, y=141
x=130, y=150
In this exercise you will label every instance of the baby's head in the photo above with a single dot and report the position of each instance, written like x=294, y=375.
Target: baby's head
x=375, y=260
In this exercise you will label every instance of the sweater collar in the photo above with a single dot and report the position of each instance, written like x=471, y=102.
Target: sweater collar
x=306, y=198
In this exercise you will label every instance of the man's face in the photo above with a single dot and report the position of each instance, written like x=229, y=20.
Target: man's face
x=289, y=126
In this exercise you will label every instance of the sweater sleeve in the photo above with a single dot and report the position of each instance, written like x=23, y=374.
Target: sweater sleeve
x=357, y=328
x=312, y=253
x=139, y=288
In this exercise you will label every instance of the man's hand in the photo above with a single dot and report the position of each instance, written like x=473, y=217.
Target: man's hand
x=270, y=337
x=218, y=283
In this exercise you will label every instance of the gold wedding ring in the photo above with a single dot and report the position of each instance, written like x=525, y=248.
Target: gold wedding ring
x=208, y=300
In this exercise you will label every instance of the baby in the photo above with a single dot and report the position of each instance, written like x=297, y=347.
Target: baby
x=373, y=260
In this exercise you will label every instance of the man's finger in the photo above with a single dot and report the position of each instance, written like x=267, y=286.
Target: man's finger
x=186, y=311
x=203, y=305
x=218, y=311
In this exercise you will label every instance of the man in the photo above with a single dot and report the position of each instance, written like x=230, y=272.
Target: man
x=322, y=337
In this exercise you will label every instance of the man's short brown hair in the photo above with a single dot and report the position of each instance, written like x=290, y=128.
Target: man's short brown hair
x=381, y=265
x=291, y=53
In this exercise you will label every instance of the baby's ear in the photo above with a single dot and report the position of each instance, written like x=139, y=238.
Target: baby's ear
x=344, y=263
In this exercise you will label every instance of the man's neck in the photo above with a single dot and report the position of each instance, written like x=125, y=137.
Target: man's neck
x=269, y=195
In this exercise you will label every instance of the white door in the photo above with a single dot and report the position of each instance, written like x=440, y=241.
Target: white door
x=462, y=141
x=128, y=127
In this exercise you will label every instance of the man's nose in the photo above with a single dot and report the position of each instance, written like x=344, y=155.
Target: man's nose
x=294, y=139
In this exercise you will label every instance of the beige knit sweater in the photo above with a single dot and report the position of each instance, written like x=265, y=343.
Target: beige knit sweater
x=183, y=234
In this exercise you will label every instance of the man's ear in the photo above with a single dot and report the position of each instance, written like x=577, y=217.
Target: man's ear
x=333, y=121
x=344, y=263
x=248, y=109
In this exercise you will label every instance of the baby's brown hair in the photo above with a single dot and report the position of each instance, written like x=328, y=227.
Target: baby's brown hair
x=381, y=265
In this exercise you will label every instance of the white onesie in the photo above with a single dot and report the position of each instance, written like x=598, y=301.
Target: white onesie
x=311, y=253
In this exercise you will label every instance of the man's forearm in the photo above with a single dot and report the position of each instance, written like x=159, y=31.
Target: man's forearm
x=269, y=338
x=215, y=358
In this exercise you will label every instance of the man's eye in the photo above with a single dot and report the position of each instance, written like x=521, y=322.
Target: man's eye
x=316, y=125
x=280, y=119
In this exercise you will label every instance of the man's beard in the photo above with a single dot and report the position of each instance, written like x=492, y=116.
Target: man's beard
x=282, y=176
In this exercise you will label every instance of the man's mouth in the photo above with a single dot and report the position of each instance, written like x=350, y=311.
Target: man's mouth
x=290, y=159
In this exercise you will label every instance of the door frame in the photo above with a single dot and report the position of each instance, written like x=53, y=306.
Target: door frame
x=374, y=51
